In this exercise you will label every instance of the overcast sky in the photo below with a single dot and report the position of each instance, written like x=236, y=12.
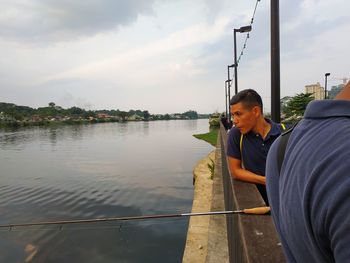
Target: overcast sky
x=164, y=56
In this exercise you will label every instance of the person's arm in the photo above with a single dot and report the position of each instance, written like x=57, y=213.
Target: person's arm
x=241, y=174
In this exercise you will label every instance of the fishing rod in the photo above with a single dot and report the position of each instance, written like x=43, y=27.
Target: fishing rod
x=251, y=211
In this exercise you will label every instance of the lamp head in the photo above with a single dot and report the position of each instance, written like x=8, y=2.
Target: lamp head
x=244, y=29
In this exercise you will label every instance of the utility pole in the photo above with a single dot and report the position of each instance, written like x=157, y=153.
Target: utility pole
x=243, y=29
x=325, y=84
x=226, y=102
x=275, y=62
x=229, y=92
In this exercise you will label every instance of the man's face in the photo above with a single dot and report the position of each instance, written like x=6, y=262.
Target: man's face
x=244, y=118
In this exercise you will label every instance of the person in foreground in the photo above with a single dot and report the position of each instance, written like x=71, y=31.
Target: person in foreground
x=310, y=196
x=250, y=139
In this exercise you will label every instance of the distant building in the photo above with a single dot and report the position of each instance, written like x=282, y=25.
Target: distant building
x=135, y=117
x=103, y=116
x=316, y=90
x=335, y=90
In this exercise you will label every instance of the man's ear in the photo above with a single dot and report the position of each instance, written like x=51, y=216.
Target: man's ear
x=256, y=111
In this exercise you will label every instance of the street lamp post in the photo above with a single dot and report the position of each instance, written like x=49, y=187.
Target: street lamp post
x=242, y=29
x=229, y=80
x=325, y=84
x=229, y=91
x=275, y=62
x=227, y=99
x=226, y=112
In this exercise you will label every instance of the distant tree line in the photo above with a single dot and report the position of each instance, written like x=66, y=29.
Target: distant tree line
x=11, y=112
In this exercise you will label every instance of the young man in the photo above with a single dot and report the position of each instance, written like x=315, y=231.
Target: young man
x=310, y=196
x=250, y=139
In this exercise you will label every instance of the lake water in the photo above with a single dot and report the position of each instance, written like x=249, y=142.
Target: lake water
x=94, y=171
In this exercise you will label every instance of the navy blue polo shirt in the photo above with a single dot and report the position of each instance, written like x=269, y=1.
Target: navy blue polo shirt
x=254, y=150
x=310, y=199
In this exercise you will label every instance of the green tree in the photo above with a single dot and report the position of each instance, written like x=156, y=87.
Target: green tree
x=76, y=111
x=146, y=115
x=167, y=117
x=190, y=114
x=296, y=105
x=123, y=115
x=284, y=102
x=52, y=104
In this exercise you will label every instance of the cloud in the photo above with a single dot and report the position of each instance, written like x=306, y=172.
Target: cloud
x=195, y=35
x=161, y=55
x=63, y=20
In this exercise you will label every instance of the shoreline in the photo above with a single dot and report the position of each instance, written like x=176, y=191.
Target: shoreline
x=48, y=123
x=206, y=239
x=196, y=247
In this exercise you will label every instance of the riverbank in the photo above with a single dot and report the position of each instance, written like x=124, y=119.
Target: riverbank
x=18, y=124
x=207, y=235
x=210, y=137
x=197, y=234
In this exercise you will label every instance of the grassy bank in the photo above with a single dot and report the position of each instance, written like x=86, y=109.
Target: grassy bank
x=210, y=137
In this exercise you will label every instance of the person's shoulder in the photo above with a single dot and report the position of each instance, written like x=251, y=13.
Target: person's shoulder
x=234, y=133
x=233, y=148
x=279, y=127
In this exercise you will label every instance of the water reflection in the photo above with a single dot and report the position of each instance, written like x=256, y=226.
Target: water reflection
x=102, y=170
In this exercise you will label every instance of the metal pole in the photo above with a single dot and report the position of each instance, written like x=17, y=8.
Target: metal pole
x=235, y=59
x=275, y=62
x=226, y=99
x=229, y=83
x=325, y=85
x=229, y=93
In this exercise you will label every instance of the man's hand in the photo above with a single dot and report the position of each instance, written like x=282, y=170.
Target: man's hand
x=241, y=174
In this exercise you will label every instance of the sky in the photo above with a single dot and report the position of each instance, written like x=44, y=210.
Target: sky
x=164, y=56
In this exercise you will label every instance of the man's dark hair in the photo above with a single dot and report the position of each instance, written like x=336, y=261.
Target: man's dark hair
x=249, y=97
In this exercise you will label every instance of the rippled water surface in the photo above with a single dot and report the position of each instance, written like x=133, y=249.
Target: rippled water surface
x=93, y=171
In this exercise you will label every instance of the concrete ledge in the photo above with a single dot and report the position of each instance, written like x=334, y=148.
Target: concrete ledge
x=197, y=234
x=207, y=235
x=217, y=238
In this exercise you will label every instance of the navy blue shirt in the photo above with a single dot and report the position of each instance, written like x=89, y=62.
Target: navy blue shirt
x=310, y=199
x=254, y=150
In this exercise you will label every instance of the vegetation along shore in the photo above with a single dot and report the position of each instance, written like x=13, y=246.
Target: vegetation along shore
x=12, y=115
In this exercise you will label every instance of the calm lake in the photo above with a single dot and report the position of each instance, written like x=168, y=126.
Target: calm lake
x=93, y=171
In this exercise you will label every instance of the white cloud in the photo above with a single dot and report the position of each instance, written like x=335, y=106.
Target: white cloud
x=164, y=56
x=195, y=35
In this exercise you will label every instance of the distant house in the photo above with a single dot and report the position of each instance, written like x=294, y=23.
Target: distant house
x=103, y=116
x=176, y=116
x=36, y=118
x=135, y=117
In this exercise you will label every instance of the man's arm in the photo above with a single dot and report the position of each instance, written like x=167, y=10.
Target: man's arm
x=241, y=174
